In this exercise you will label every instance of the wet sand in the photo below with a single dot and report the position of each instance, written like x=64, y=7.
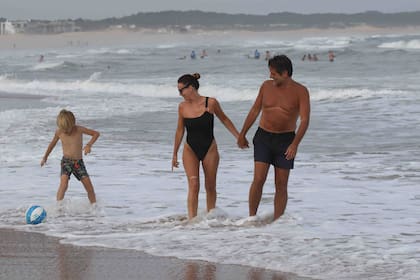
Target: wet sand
x=27, y=255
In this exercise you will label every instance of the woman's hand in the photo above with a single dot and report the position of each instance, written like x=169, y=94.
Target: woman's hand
x=175, y=162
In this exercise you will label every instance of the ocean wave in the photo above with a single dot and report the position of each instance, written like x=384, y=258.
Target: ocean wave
x=94, y=77
x=402, y=45
x=68, y=55
x=45, y=66
x=308, y=43
x=110, y=51
x=94, y=85
x=323, y=43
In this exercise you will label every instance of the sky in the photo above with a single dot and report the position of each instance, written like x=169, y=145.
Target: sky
x=99, y=9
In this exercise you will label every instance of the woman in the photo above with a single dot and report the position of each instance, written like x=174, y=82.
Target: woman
x=196, y=114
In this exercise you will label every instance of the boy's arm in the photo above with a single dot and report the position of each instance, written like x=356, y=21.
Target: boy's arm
x=95, y=134
x=50, y=148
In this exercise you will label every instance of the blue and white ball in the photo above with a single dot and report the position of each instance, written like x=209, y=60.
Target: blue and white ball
x=35, y=215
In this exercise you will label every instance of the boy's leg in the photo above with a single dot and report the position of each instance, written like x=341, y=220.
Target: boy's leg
x=64, y=183
x=89, y=188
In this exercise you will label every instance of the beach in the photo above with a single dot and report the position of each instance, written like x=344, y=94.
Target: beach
x=29, y=255
x=353, y=195
x=114, y=37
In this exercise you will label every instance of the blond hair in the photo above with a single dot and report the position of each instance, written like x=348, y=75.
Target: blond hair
x=66, y=121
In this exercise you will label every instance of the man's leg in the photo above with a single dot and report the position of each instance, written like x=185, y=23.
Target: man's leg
x=281, y=196
x=255, y=192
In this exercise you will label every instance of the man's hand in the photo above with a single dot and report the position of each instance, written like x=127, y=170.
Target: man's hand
x=291, y=152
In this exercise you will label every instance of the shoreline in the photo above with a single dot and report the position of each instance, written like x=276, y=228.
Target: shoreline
x=115, y=37
x=31, y=255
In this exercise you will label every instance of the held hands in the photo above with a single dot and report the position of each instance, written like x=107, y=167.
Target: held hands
x=242, y=142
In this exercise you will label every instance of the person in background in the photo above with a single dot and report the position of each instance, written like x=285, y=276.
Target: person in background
x=203, y=54
x=267, y=55
x=193, y=55
x=331, y=56
x=196, y=115
x=71, y=136
x=282, y=101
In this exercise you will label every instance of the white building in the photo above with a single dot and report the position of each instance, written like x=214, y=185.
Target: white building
x=13, y=27
x=51, y=27
x=37, y=27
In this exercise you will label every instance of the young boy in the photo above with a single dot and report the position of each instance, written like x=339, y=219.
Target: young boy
x=71, y=136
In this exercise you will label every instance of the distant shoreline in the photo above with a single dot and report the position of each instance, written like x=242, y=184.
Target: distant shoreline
x=116, y=37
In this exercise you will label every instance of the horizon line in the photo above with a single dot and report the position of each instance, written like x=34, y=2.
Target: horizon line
x=215, y=12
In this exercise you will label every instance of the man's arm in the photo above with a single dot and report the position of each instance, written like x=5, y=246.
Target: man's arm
x=304, y=116
x=250, y=119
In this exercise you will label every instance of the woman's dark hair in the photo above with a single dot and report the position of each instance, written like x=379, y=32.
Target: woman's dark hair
x=189, y=79
x=281, y=63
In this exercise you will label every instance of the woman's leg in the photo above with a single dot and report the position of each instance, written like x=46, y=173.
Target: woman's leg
x=210, y=165
x=191, y=166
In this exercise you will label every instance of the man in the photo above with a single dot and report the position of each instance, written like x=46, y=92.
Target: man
x=282, y=101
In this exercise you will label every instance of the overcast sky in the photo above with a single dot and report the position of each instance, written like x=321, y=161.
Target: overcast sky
x=98, y=9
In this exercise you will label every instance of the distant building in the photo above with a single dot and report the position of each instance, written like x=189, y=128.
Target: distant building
x=37, y=27
x=51, y=27
x=13, y=27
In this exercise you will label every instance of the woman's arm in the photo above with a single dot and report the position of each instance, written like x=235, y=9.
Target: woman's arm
x=224, y=119
x=179, y=134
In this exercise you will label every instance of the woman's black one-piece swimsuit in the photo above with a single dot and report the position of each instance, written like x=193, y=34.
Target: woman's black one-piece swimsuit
x=200, y=132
